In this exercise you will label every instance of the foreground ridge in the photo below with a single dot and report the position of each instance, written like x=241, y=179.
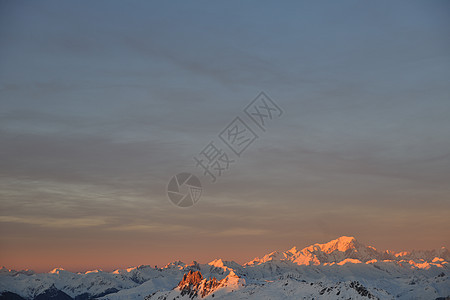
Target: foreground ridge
x=339, y=269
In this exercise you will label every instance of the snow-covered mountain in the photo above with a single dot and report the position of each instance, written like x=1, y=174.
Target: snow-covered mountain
x=348, y=250
x=340, y=269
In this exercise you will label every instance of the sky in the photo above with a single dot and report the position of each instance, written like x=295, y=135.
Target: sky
x=102, y=102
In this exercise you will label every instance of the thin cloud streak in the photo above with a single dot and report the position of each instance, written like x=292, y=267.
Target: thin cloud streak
x=55, y=222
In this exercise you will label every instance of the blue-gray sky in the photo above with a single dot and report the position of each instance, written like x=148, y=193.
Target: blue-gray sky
x=102, y=102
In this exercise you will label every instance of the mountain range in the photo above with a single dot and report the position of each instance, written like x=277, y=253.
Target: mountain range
x=340, y=269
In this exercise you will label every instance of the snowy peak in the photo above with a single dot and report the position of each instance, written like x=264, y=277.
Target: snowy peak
x=342, y=244
x=93, y=271
x=57, y=271
x=6, y=271
x=346, y=249
x=218, y=263
x=275, y=256
x=293, y=250
x=220, y=266
x=335, y=251
x=175, y=265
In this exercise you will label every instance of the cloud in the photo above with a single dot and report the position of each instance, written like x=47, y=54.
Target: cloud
x=234, y=232
x=102, y=106
x=55, y=222
x=151, y=228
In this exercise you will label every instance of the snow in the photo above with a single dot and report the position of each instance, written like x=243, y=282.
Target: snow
x=349, y=261
x=340, y=269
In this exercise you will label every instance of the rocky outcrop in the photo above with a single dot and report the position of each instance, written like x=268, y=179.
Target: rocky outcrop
x=195, y=286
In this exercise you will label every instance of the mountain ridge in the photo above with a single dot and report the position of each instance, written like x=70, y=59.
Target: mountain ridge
x=314, y=271
x=344, y=248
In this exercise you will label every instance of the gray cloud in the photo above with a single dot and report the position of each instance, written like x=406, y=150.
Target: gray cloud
x=101, y=106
